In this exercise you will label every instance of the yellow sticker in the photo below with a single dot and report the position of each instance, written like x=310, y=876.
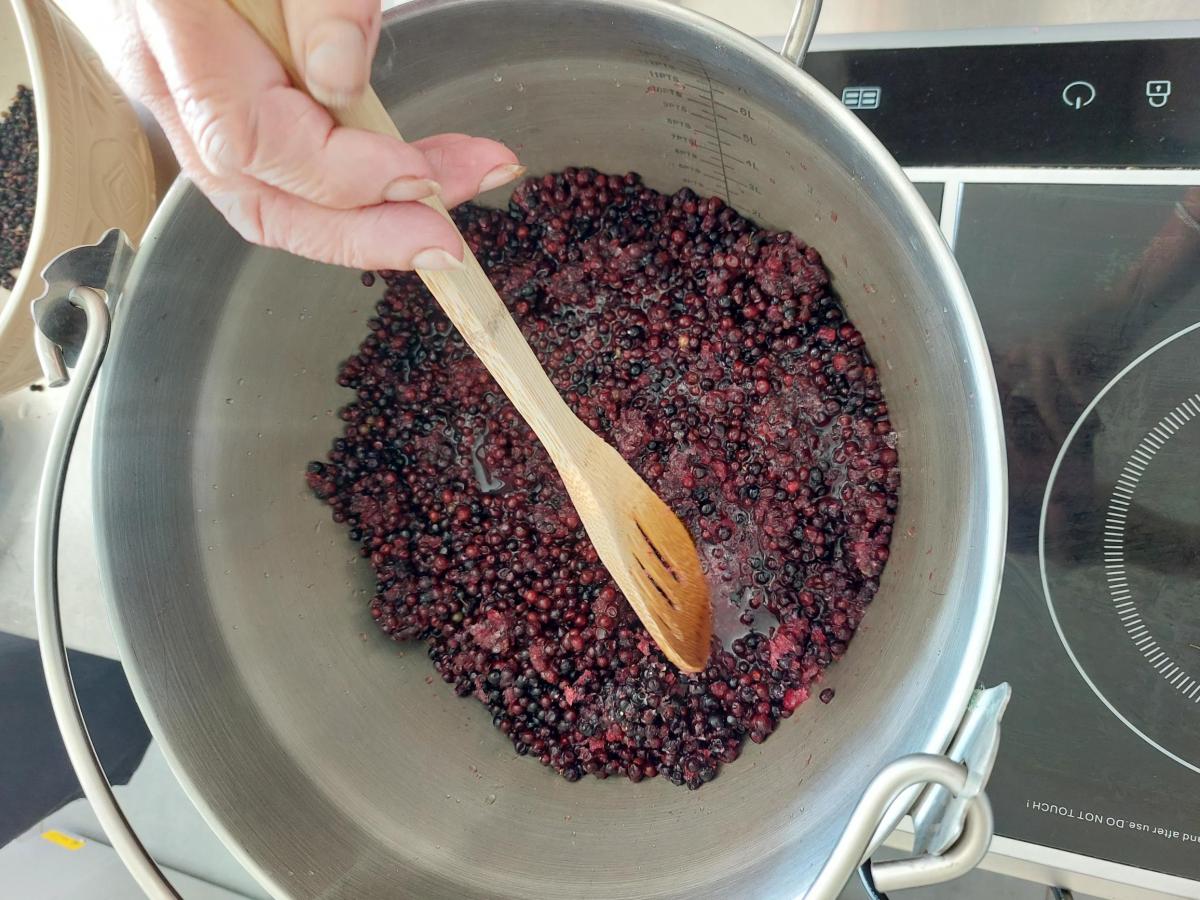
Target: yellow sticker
x=63, y=840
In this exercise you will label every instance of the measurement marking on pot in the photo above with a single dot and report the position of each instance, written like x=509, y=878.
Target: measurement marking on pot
x=706, y=126
x=1113, y=546
x=712, y=102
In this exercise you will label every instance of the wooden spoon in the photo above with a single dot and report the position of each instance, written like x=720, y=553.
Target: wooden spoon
x=645, y=547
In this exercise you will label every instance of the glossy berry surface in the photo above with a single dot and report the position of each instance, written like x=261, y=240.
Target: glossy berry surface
x=714, y=355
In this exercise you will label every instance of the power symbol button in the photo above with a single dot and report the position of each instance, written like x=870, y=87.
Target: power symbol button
x=1078, y=94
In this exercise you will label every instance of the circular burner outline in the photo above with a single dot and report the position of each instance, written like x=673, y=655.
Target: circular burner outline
x=1119, y=591
x=1062, y=453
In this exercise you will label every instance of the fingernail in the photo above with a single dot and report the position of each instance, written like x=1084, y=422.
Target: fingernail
x=410, y=187
x=435, y=259
x=335, y=62
x=501, y=175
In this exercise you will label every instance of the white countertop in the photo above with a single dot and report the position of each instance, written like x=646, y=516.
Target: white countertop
x=26, y=418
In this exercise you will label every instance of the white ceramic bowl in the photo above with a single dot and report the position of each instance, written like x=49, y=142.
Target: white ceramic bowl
x=94, y=166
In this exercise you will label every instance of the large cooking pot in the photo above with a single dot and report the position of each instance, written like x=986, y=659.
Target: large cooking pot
x=316, y=747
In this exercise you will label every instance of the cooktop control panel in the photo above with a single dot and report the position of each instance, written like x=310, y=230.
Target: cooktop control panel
x=1107, y=103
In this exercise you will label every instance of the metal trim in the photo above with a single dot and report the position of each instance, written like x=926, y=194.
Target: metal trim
x=1004, y=36
x=952, y=194
x=1050, y=175
x=1062, y=868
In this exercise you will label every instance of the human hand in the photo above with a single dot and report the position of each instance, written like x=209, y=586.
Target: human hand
x=272, y=160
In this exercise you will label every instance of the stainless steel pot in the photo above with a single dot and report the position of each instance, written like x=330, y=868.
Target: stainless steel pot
x=317, y=749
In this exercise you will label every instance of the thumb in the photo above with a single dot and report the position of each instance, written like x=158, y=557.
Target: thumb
x=333, y=42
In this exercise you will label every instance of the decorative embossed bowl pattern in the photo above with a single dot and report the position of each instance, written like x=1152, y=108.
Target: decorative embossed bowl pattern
x=94, y=168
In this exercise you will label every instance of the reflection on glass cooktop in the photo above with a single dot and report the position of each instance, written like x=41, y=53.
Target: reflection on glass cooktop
x=1090, y=300
x=1120, y=546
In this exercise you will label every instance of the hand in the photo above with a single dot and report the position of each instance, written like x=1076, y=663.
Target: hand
x=273, y=161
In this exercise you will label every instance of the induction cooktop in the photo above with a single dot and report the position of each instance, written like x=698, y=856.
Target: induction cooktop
x=1066, y=176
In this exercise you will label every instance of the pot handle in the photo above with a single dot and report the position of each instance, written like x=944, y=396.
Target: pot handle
x=72, y=328
x=897, y=777
x=952, y=818
x=800, y=31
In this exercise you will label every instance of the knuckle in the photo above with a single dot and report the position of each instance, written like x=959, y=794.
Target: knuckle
x=290, y=157
x=220, y=128
x=437, y=157
x=346, y=252
x=313, y=237
x=288, y=139
x=244, y=211
x=365, y=13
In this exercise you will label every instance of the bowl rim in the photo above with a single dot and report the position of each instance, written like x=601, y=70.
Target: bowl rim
x=36, y=78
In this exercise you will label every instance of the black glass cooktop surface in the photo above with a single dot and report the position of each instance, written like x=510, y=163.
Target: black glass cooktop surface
x=1090, y=298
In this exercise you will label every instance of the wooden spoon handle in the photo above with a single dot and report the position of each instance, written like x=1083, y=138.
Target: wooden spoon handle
x=466, y=296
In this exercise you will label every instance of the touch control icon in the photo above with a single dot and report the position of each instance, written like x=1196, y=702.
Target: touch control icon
x=1078, y=94
x=862, y=96
x=1157, y=93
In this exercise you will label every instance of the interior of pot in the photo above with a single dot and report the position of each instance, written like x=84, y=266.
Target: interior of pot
x=333, y=760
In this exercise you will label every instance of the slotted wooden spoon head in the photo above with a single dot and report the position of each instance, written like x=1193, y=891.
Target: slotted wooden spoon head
x=648, y=552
